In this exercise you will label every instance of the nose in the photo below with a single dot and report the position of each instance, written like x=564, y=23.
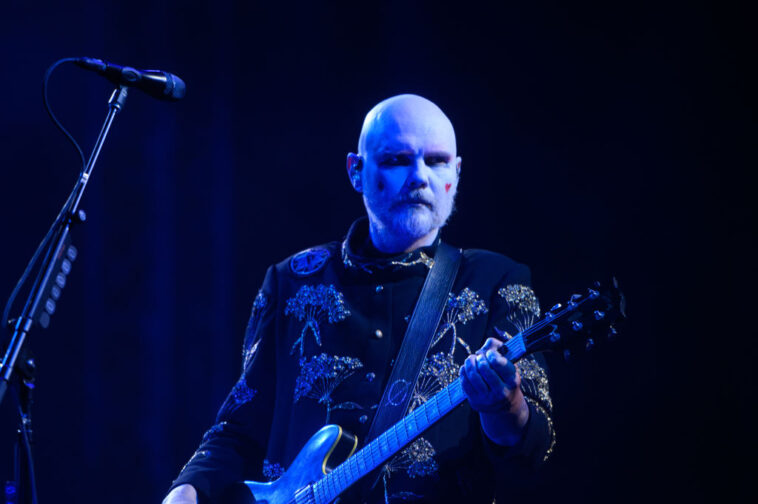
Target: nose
x=418, y=176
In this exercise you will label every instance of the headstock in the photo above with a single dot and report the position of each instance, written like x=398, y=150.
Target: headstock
x=580, y=324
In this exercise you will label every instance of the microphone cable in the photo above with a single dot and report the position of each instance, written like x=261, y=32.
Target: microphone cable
x=61, y=215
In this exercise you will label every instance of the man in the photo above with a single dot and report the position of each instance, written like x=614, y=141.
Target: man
x=328, y=322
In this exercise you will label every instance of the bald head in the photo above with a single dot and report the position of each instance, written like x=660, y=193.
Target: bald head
x=407, y=170
x=402, y=116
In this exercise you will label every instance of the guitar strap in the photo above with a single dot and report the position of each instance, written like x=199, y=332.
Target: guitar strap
x=417, y=340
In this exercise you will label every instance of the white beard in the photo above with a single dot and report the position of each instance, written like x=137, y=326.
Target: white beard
x=410, y=223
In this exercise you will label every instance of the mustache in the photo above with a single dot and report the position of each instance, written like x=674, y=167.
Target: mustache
x=414, y=198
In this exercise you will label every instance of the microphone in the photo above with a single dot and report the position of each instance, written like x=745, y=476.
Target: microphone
x=156, y=83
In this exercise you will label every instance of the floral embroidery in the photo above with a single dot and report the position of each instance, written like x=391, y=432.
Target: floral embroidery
x=315, y=305
x=417, y=460
x=320, y=375
x=241, y=394
x=523, y=307
x=437, y=372
x=459, y=309
x=249, y=348
x=534, y=381
x=272, y=471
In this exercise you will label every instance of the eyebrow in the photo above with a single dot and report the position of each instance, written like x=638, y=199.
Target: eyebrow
x=410, y=152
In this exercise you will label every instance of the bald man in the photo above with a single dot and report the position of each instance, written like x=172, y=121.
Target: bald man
x=328, y=322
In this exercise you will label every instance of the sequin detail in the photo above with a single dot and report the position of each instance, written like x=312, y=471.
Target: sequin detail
x=315, y=305
x=523, y=306
x=272, y=471
x=320, y=375
x=242, y=393
x=534, y=381
x=309, y=261
x=213, y=431
x=197, y=455
x=550, y=426
x=371, y=265
x=459, y=309
x=250, y=344
x=437, y=372
x=409, y=261
x=417, y=460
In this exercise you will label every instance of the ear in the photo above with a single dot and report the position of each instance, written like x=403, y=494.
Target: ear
x=458, y=162
x=354, y=165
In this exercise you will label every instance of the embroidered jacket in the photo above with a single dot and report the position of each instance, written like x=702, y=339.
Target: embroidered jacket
x=323, y=333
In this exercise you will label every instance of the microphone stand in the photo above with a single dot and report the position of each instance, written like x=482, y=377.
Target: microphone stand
x=40, y=303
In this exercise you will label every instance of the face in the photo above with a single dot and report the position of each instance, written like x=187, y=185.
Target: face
x=410, y=174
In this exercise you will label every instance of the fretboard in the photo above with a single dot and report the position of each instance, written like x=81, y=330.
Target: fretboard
x=399, y=435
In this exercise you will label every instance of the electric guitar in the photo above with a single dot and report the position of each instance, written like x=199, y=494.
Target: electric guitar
x=328, y=464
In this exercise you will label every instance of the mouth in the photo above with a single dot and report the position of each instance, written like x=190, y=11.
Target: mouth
x=416, y=203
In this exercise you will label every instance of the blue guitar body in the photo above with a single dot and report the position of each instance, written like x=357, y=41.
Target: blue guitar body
x=325, y=450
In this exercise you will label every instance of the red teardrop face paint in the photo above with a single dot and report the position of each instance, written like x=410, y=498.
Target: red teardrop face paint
x=448, y=186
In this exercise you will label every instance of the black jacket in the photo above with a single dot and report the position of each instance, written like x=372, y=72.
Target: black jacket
x=324, y=330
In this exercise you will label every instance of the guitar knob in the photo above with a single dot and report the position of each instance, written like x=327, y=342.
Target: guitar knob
x=612, y=332
x=590, y=343
x=566, y=355
x=576, y=325
x=599, y=315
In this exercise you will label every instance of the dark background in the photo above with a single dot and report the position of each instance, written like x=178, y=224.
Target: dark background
x=597, y=138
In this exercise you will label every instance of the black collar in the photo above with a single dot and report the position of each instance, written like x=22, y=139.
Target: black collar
x=360, y=255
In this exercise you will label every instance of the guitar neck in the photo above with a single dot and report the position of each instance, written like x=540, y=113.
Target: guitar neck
x=399, y=435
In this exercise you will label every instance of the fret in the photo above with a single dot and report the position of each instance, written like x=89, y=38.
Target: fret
x=416, y=426
x=392, y=444
x=425, y=407
x=353, y=469
x=400, y=440
x=405, y=421
x=433, y=407
x=444, y=399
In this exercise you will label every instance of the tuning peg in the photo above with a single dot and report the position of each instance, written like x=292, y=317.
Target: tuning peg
x=566, y=355
x=556, y=307
x=612, y=332
x=593, y=294
x=589, y=344
x=597, y=284
x=576, y=325
x=554, y=337
x=599, y=315
x=574, y=299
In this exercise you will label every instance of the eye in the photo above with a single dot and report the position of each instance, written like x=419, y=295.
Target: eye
x=395, y=160
x=436, y=160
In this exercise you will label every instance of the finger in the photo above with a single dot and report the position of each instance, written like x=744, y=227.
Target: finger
x=504, y=368
x=491, y=344
x=469, y=367
x=490, y=377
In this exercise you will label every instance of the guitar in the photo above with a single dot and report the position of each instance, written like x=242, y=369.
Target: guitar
x=328, y=464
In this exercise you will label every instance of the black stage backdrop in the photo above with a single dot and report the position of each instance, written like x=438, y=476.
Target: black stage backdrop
x=597, y=139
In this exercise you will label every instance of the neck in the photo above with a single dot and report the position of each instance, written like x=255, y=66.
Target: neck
x=393, y=244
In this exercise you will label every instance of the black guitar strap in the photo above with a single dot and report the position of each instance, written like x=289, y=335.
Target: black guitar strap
x=418, y=338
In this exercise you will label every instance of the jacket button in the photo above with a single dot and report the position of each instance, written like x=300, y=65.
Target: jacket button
x=378, y=334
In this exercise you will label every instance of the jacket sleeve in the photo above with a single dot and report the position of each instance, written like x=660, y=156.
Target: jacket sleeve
x=514, y=308
x=234, y=446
